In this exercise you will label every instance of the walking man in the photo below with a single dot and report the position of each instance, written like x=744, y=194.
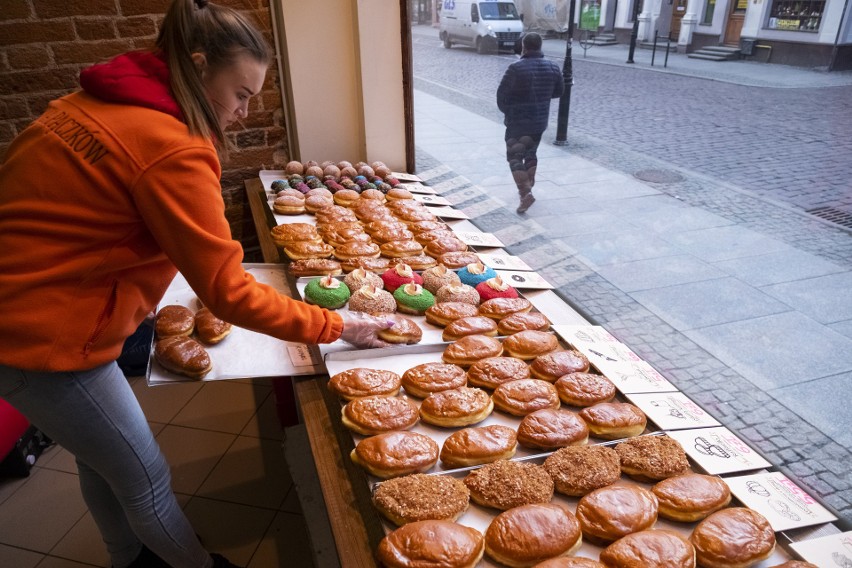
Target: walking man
x=524, y=98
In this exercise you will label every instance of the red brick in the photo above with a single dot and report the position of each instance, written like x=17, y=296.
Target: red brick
x=15, y=10
x=276, y=137
x=89, y=51
x=251, y=138
x=28, y=57
x=94, y=28
x=36, y=32
x=141, y=26
x=39, y=81
x=37, y=102
x=139, y=7
x=64, y=8
x=259, y=119
x=14, y=107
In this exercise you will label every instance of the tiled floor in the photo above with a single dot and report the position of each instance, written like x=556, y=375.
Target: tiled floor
x=224, y=443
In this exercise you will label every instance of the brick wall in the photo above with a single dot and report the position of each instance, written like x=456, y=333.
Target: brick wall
x=45, y=43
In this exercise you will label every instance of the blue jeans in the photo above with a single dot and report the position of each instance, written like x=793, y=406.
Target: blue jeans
x=124, y=477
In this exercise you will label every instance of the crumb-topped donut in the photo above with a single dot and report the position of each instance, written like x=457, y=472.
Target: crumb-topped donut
x=451, y=408
x=504, y=484
x=470, y=349
x=499, y=308
x=479, y=445
x=476, y=272
x=650, y=549
x=551, y=366
x=614, y=420
x=733, y=537
x=550, y=429
x=174, y=320
x=457, y=259
x=399, y=275
x=522, y=322
x=652, y=458
x=439, y=275
x=492, y=372
x=327, y=292
x=427, y=378
x=396, y=453
x=420, y=497
x=523, y=396
x=611, y=512
x=529, y=344
x=691, y=496
x=442, y=313
x=361, y=277
x=495, y=288
x=578, y=470
x=584, y=389
x=361, y=381
x=371, y=415
x=473, y=325
x=529, y=534
x=413, y=298
x=372, y=300
x=432, y=543
x=457, y=293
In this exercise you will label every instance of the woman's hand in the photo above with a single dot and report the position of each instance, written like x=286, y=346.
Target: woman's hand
x=360, y=329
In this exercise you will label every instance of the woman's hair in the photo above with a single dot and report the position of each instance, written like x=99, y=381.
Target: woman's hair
x=218, y=32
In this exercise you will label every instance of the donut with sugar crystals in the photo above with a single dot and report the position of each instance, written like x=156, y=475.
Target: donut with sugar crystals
x=652, y=458
x=421, y=497
x=505, y=484
x=578, y=470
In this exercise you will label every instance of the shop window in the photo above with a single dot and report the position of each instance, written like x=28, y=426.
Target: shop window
x=709, y=8
x=796, y=15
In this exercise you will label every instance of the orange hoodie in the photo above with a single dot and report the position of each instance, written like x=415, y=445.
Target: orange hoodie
x=100, y=204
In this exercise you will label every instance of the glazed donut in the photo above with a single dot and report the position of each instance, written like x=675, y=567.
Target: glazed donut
x=470, y=349
x=427, y=378
x=314, y=267
x=474, y=325
x=529, y=534
x=183, y=355
x=209, y=329
x=302, y=250
x=451, y=408
x=500, y=308
x=174, y=320
x=479, y=445
x=378, y=265
x=584, y=389
x=396, y=453
x=421, y=497
x=735, y=537
x=457, y=259
x=569, y=562
x=650, y=549
x=549, y=429
x=432, y=543
x=294, y=232
x=371, y=415
x=528, y=345
x=289, y=205
x=361, y=381
x=442, y=313
x=353, y=249
x=551, y=366
x=524, y=396
x=691, y=496
x=611, y=512
x=401, y=249
x=522, y=322
x=614, y=420
x=404, y=331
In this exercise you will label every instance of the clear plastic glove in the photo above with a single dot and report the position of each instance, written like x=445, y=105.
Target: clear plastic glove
x=360, y=329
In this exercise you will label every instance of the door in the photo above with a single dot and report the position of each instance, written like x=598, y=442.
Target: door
x=735, y=22
x=678, y=10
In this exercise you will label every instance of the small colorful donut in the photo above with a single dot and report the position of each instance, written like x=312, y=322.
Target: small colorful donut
x=495, y=288
x=361, y=277
x=413, y=299
x=398, y=275
x=327, y=292
x=473, y=274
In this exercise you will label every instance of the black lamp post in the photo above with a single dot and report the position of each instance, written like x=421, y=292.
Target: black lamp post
x=568, y=78
x=634, y=33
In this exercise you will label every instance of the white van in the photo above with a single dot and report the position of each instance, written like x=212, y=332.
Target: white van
x=487, y=25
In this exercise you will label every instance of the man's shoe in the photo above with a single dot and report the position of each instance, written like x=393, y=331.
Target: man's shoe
x=148, y=559
x=220, y=561
x=526, y=203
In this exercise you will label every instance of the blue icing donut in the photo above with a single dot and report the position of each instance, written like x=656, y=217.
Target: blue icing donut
x=472, y=279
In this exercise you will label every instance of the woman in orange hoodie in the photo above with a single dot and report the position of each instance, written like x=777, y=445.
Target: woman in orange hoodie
x=103, y=199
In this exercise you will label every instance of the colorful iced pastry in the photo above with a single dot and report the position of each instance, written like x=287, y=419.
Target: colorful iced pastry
x=327, y=292
x=495, y=288
x=413, y=299
x=438, y=276
x=474, y=273
x=360, y=277
x=398, y=275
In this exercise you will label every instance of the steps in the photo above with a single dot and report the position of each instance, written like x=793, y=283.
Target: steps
x=605, y=39
x=716, y=53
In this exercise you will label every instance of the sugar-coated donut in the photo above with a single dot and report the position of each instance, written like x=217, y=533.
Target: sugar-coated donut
x=479, y=445
x=399, y=275
x=432, y=543
x=524, y=396
x=362, y=277
x=578, y=470
x=396, y=453
x=614, y=420
x=372, y=300
x=327, y=292
x=614, y=511
x=458, y=293
x=492, y=372
x=371, y=415
x=550, y=429
x=584, y=389
x=551, y=366
x=505, y=484
x=529, y=344
x=495, y=288
x=436, y=277
x=361, y=381
x=427, y=378
x=735, y=537
x=442, y=313
x=691, y=497
x=451, y=408
x=650, y=549
x=529, y=534
x=421, y=497
x=652, y=458
x=470, y=349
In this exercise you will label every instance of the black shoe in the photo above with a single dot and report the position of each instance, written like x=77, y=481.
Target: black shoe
x=147, y=559
x=526, y=203
x=220, y=561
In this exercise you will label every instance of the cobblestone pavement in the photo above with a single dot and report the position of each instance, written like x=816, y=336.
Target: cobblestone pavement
x=727, y=185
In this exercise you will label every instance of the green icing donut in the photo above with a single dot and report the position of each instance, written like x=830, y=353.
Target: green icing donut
x=418, y=303
x=331, y=298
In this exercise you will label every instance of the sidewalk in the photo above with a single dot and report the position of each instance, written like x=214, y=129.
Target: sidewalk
x=704, y=282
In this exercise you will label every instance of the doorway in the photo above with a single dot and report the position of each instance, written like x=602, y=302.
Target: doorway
x=734, y=27
x=678, y=10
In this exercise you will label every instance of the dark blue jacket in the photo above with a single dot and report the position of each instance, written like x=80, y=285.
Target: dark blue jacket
x=526, y=89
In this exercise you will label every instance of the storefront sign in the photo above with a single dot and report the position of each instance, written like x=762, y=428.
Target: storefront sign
x=718, y=450
x=775, y=496
x=832, y=550
x=672, y=410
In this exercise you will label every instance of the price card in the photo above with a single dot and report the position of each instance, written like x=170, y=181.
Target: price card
x=301, y=356
x=417, y=188
x=718, y=450
x=431, y=199
x=524, y=280
x=597, y=344
x=449, y=213
x=831, y=550
x=477, y=239
x=672, y=410
x=775, y=496
x=402, y=176
x=637, y=376
x=504, y=261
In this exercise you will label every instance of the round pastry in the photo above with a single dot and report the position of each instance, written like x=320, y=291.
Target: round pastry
x=294, y=232
x=549, y=429
x=401, y=249
x=314, y=267
x=319, y=192
x=432, y=543
x=523, y=396
x=374, y=194
x=530, y=344
x=611, y=512
x=492, y=372
x=442, y=313
x=476, y=272
x=439, y=247
x=470, y=349
x=429, y=236
x=500, y=308
x=302, y=250
x=413, y=215
x=420, y=262
x=360, y=277
x=398, y=193
x=505, y=484
x=289, y=205
x=551, y=366
x=372, y=300
x=578, y=470
x=614, y=420
x=495, y=288
x=396, y=453
x=413, y=299
x=458, y=293
x=569, y=562
x=479, y=445
x=346, y=197
x=735, y=537
x=314, y=203
x=529, y=534
x=361, y=381
x=584, y=389
x=289, y=191
x=691, y=497
x=354, y=249
x=340, y=237
x=438, y=276
x=347, y=171
x=399, y=275
x=294, y=167
x=418, y=227
x=335, y=214
x=795, y=564
x=312, y=169
x=174, y=320
x=421, y=497
x=327, y=292
x=378, y=265
x=652, y=458
x=427, y=378
x=210, y=329
x=522, y=322
x=404, y=331
x=650, y=549
x=457, y=259
x=456, y=407
x=183, y=355
x=329, y=228
x=371, y=415
x=474, y=325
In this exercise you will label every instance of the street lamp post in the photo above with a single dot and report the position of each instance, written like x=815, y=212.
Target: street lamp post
x=568, y=78
x=634, y=33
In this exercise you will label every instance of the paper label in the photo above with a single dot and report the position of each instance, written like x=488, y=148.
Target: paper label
x=430, y=199
x=775, y=496
x=477, y=239
x=832, y=550
x=672, y=410
x=524, y=280
x=636, y=377
x=718, y=450
x=301, y=356
x=503, y=261
x=596, y=343
x=401, y=176
x=448, y=213
x=417, y=188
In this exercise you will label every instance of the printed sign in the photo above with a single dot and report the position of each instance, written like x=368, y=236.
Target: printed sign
x=417, y=188
x=832, y=550
x=301, y=356
x=775, y=496
x=718, y=450
x=637, y=376
x=524, y=280
x=401, y=176
x=431, y=199
x=597, y=344
x=504, y=261
x=449, y=213
x=477, y=239
x=672, y=410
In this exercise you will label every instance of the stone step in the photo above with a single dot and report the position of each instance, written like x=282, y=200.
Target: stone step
x=605, y=41
x=699, y=55
x=721, y=49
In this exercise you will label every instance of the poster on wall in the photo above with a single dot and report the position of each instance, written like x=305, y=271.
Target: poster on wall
x=590, y=15
x=544, y=15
